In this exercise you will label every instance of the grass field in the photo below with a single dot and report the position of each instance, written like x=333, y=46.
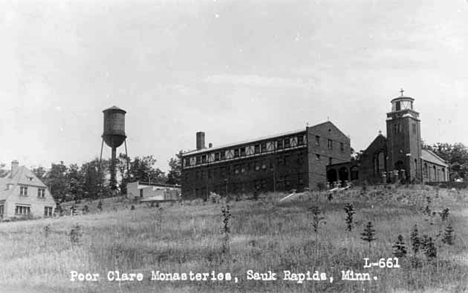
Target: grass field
x=261, y=236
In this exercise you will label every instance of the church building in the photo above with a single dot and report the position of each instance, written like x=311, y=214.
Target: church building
x=397, y=157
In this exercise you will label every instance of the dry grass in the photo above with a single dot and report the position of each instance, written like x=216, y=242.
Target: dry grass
x=264, y=235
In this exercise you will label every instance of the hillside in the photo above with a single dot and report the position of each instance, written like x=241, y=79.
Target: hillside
x=248, y=237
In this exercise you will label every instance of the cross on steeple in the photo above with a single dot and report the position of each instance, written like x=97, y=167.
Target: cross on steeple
x=402, y=91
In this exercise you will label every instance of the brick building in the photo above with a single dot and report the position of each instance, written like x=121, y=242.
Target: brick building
x=399, y=156
x=293, y=160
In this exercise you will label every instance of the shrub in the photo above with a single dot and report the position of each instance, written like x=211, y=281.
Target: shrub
x=399, y=248
x=75, y=234
x=369, y=234
x=448, y=235
x=349, y=209
x=415, y=240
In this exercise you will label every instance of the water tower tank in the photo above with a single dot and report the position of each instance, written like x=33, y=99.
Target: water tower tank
x=114, y=126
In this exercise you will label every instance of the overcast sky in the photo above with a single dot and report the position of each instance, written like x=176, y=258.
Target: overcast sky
x=234, y=69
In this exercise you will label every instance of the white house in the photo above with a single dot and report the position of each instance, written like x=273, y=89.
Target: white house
x=23, y=194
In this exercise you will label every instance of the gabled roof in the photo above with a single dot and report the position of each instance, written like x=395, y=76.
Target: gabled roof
x=377, y=139
x=22, y=176
x=330, y=124
x=431, y=157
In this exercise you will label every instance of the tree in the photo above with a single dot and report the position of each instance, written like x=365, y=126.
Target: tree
x=94, y=175
x=456, y=156
x=3, y=171
x=75, y=181
x=142, y=169
x=56, y=179
x=123, y=165
x=369, y=234
x=174, y=176
x=40, y=172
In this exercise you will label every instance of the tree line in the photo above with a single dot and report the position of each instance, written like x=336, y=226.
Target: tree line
x=456, y=155
x=91, y=180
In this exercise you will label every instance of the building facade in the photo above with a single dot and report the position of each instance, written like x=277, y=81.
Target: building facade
x=397, y=157
x=22, y=194
x=293, y=160
x=154, y=191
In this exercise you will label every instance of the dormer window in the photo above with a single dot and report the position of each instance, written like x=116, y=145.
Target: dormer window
x=30, y=178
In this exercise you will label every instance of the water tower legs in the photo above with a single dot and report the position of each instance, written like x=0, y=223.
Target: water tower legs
x=113, y=180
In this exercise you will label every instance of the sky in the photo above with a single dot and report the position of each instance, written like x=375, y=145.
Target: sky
x=233, y=69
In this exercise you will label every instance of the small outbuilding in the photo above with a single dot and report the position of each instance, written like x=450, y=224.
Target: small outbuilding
x=153, y=192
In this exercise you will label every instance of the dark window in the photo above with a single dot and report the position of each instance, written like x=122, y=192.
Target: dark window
x=187, y=161
x=48, y=211
x=287, y=143
x=279, y=160
x=216, y=156
x=23, y=191
x=264, y=148
x=330, y=161
x=236, y=153
x=257, y=166
x=257, y=148
x=300, y=140
x=300, y=179
x=330, y=144
x=203, y=159
x=342, y=146
x=287, y=182
x=22, y=210
x=41, y=192
x=242, y=151
x=317, y=140
x=398, y=106
x=280, y=144
x=198, y=160
x=223, y=155
x=1, y=211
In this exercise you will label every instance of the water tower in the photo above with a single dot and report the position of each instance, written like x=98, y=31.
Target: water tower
x=114, y=136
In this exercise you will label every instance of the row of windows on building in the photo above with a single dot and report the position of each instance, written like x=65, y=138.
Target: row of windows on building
x=259, y=165
x=258, y=149
x=242, y=151
x=282, y=182
x=21, y=210
x=24, y=191
x=329, y=143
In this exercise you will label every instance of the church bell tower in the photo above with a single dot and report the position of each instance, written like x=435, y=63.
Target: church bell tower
x=404, y=139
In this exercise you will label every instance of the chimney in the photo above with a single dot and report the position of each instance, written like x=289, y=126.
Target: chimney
x=14, y=168
x=210, y=145
x=200, y=140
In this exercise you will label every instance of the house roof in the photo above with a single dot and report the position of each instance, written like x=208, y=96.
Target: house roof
x=22, y=176
x=431, y=157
